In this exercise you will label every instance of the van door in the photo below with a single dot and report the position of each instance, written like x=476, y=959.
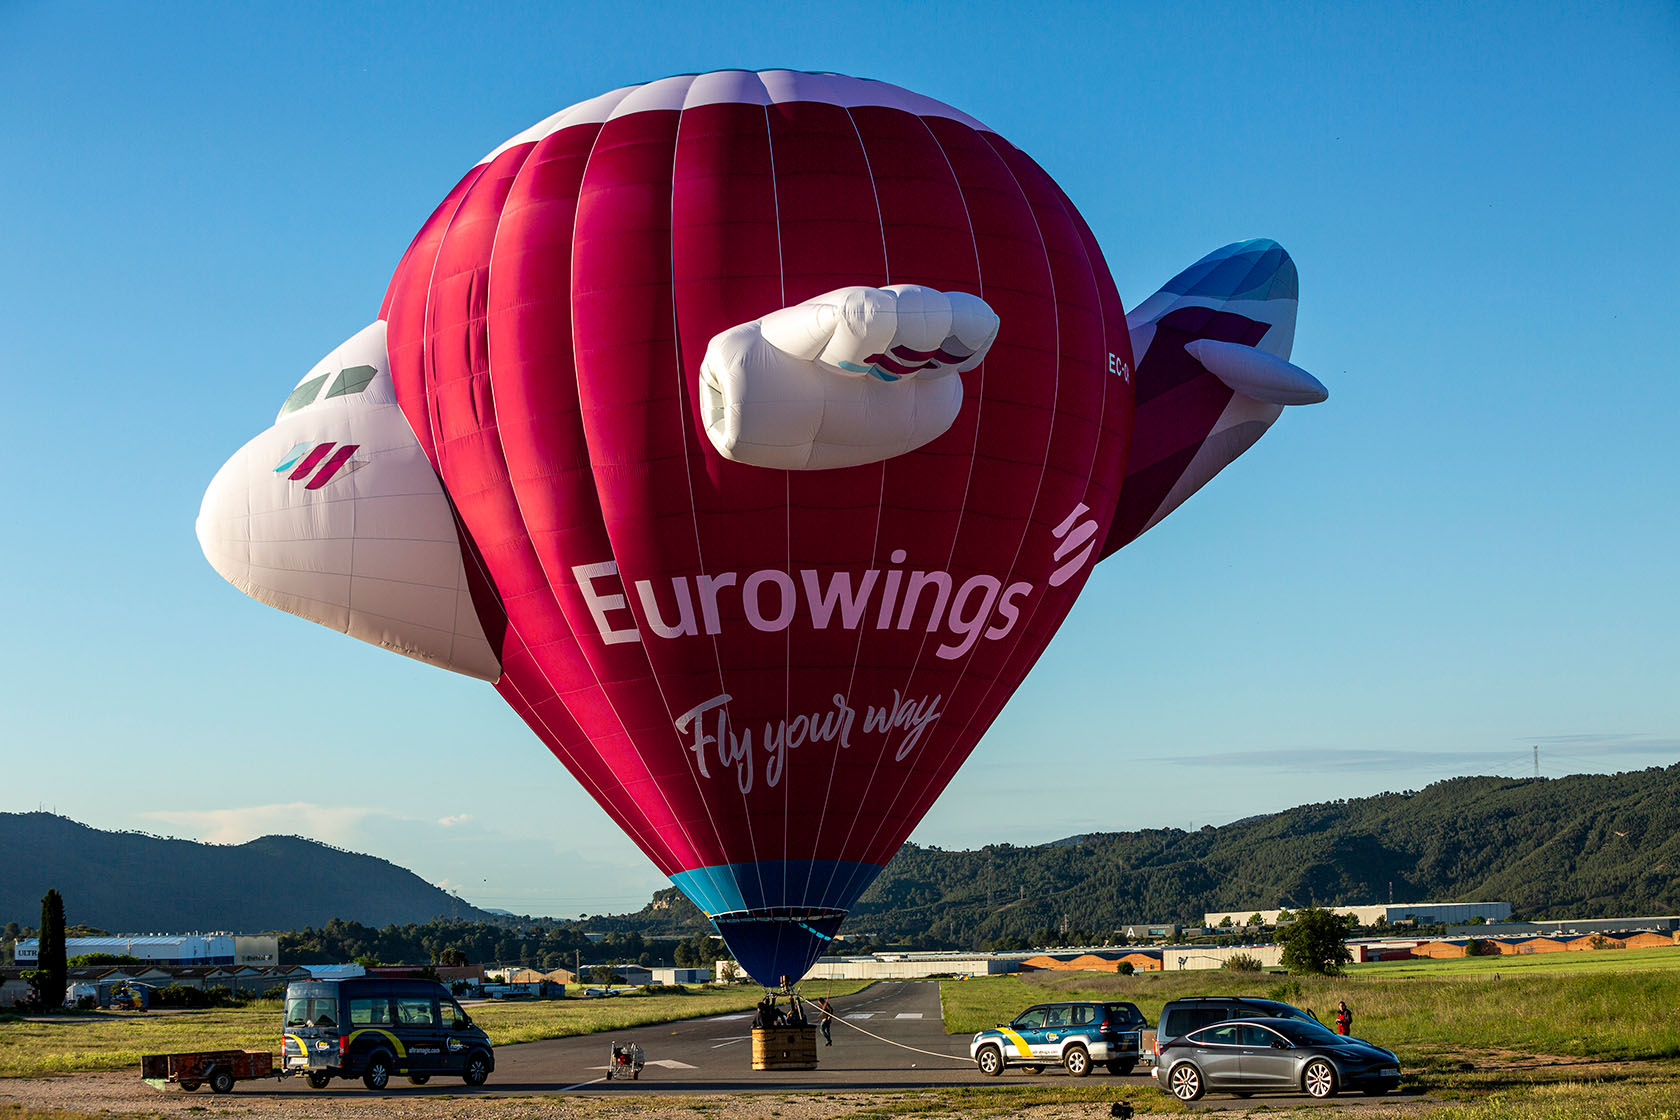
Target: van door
x=422, y=1033
x=457, y=1036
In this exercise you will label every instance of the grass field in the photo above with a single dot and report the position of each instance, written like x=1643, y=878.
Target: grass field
x=1602, y=1014
x=1601, y=960
x=115, y=1040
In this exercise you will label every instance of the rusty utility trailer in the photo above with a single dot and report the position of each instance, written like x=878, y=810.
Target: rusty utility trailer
x=218, y=1069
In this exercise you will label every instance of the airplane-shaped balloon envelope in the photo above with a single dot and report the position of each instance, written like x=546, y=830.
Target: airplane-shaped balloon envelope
x=752, y=433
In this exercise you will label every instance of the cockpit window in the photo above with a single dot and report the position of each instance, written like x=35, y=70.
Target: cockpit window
x=351, y=379
x=303, y=394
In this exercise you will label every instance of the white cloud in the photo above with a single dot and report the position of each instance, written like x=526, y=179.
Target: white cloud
x=457, y=819
x=340, y=825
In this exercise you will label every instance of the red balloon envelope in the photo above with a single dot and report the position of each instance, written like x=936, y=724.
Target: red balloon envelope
x=784, y=416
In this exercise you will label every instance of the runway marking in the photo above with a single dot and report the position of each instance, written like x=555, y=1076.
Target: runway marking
x=861, y=1015
x=730, y=1041
x=670, y=1063
x=908, y=1015
x=581, y=1084
x=727, y=1018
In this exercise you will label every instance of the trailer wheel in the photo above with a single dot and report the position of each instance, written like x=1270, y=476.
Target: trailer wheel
x=221, y=1081
x=189, y=1086
x=319, y=1080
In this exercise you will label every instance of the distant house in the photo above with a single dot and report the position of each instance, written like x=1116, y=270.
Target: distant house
x=682, y=975
x=1651, y=939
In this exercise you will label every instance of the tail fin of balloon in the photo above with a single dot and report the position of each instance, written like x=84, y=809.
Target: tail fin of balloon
x=1213, y=373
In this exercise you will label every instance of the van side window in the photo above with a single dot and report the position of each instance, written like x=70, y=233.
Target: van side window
x=453, y=1016
x=370, y=1012
x=415, y=1011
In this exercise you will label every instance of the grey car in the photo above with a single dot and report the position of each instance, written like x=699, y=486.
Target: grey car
x=1247, y=1056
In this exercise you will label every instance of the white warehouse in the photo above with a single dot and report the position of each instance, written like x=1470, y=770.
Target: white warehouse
x=1423, y=913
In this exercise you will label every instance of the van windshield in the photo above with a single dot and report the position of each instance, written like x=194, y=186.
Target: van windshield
x=311, y=1012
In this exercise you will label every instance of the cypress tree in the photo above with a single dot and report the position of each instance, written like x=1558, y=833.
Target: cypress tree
x=52, y=960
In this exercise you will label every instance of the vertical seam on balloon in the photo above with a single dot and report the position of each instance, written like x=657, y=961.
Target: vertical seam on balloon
x=1096, y=451
x=676, y=818
x=483, y=567
x=787, y=498
x=1026, y=623
x=694, y=519
x=875, y=545
x=425, y=397
x=956, y=530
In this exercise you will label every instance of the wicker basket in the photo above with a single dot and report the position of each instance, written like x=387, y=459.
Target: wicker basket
x=784, y=1048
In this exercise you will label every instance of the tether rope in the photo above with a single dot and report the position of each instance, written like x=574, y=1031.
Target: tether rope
x=835, y=1017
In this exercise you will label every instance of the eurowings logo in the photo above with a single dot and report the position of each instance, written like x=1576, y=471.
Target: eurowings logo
x=1073, y=532
x=319, y=462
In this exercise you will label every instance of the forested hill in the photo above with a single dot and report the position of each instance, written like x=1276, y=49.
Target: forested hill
x=131, y=882
x=1583, y=846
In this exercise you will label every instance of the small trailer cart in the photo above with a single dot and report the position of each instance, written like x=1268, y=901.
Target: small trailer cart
x=218, y=1069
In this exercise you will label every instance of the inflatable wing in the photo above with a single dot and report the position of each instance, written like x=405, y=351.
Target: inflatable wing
x=1213, y=374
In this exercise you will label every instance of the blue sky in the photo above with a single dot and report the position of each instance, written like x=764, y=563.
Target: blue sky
x=1469, y=550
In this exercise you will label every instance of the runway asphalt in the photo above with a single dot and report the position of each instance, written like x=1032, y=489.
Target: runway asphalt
x=889, y=1036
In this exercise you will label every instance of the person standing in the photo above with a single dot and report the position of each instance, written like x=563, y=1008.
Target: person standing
x=827, y=1018
x=1344, y=1018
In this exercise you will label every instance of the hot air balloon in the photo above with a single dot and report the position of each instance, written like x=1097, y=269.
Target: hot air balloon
x=753, y=433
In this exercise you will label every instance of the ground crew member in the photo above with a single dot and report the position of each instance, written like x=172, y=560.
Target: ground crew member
x=827, y=1018
x=1344, y=1018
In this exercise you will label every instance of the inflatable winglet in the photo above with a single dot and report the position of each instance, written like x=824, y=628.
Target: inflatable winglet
x=1213, y=373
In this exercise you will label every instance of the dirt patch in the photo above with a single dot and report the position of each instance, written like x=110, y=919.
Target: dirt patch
x=113, y=1096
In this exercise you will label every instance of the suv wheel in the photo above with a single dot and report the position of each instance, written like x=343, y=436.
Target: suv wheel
x=1185, y=1081
x=477, y=1070
x=377, y=1075
x=1319, y=1079
x=990, y=1060
x=1077, y=1060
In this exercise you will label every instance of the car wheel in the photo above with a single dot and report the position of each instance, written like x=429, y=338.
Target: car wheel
x=990, y=1060
x=1077, y=1061
x=1121, y=1069
x=320, y=1080
x=1319, y=1079
x=189, y=1086
x=477, y=1070
x=1185, y=1081
x=377, y=1075
x=221, y=1081
x=419, y=1078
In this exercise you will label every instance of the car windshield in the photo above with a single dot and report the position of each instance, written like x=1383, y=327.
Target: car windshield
x=1307, y=1034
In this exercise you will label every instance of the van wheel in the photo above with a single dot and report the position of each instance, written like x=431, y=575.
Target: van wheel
x=419, y=1078
x=990, y=1061
x=377, y=1075
x=477, y=1071
x=320, y=1080
x=221, y=1081
x=1077, y=1060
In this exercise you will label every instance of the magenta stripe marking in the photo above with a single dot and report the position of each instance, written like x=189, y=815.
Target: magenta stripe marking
x=324, y=475
x=309, y=461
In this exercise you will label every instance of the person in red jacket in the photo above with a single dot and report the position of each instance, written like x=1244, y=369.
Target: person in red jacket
x=1344, y=1018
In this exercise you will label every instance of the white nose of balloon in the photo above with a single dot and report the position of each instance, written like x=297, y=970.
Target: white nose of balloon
x=849, y=377
x=334, y=514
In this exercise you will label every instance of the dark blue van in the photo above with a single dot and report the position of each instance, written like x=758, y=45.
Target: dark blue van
x=375, y=1029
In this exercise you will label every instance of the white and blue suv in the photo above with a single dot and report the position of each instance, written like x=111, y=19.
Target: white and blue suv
x=1071, y=1035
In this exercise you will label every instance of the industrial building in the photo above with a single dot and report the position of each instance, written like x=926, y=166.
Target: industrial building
x=1421, y=913
x=179, y=949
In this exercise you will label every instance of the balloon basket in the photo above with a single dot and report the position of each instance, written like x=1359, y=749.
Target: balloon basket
x=775, y=1048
